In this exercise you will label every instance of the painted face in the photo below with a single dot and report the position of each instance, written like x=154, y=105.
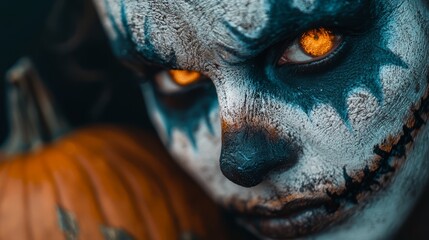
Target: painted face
x=305, y=117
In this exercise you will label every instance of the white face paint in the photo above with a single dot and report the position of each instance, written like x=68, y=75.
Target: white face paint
x=352, y=170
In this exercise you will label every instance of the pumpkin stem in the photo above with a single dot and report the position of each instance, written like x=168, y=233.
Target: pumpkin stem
x=33, y=118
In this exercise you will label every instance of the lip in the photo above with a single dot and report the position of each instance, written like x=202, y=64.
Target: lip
x=298, y=218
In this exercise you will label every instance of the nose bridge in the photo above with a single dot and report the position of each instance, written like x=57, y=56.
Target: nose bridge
x=242, y=104
x=252, y=147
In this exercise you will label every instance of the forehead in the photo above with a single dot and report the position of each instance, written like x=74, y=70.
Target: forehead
x=186, y=33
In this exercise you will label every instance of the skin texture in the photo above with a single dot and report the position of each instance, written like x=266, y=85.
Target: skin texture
x=330, y=148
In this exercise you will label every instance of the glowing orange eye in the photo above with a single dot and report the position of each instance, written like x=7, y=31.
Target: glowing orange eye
x=317, y=42
x=312, y=45
x=184, y=77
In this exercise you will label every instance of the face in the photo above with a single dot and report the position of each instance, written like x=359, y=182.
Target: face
x=304, y=117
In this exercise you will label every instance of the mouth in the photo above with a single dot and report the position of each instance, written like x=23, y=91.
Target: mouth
x=297, y=218
x=304, y=217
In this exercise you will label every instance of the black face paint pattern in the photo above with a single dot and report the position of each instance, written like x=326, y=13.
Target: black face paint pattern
x=332, y=85
x=190, y=108
x=355, y=65
x=198, y=107
x=137, y=56
x=286, y=22
x=121, y=46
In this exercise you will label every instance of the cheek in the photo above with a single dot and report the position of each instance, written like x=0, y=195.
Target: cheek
x=408, y=39
x=200, y=158
x=372, y=120
x=197, y=151
x=402, y=88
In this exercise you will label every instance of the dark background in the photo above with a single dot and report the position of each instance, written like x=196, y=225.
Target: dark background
x=21, y=22
x=64, y=37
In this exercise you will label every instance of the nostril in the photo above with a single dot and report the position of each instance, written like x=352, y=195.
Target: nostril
x=246, y=176
x=248, y=156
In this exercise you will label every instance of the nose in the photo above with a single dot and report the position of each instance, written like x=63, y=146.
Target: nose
x=249, y=155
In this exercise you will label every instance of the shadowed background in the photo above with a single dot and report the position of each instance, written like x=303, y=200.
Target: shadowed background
x=21, y=22
x=72, y=54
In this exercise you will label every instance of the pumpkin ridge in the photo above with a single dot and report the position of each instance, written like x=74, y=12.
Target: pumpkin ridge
x=134, y=203
x=135, y=142
x=127, y=150
x=147, y=172
x=162, y=187
x=130, y=149
x=166, y=168
x=118, y=142
x=74, y=159
x=29, y=229
x=50, y=179
x=85, y=173
x=105, y=160
x=11, y=210
x=117, y=169
x=5, y=166
x=163, y=191
x=56, y=188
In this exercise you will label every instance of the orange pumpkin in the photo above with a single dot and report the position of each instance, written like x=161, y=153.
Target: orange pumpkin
x=100, y=182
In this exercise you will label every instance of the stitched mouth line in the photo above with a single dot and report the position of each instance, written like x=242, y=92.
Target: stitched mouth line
x=390, y=156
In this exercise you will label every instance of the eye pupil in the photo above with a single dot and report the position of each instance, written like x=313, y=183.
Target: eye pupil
x=184, y=77
x=317, y=42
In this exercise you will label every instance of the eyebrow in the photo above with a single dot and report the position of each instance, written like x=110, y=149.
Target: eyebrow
x=289, y=18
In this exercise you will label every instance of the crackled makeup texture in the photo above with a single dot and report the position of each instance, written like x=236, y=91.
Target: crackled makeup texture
x=337, y=140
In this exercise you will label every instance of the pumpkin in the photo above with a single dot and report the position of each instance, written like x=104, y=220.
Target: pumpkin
x=100, y=182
